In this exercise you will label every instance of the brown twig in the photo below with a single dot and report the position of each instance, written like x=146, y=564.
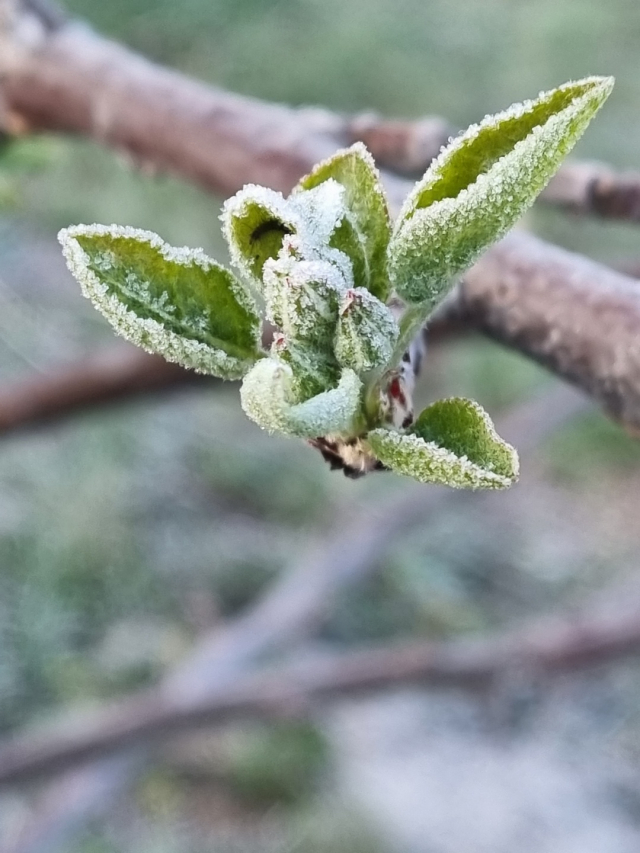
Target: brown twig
x=579, y=319
x=608, y=630
x=404, y=147
x=595, y=189
x=111, y=375
x=293, y=608
x=77, y=82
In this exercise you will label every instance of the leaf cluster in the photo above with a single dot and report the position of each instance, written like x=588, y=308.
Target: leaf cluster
x=345, y=289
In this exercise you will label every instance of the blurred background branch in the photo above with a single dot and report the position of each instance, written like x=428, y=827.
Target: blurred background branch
x=293, y=608
x=208, y=504
x=75, y=81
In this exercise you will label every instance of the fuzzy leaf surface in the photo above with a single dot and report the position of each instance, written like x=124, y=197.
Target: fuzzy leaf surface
x=367, y=332
x=175, y=302
x=268, y=398
x=364, y=233
x=481, y=183
x=302, y=298
x=453, y=443
x=255, y=221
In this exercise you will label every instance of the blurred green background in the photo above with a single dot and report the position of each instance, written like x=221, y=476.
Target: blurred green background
x=127, y=532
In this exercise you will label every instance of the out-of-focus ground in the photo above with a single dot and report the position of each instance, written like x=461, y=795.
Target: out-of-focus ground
x=125, y=533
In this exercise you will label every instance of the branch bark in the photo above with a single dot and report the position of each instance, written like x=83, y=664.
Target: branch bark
x=112, y=375
x=206, y=684
x=604, y=631
x=72, y=80
x=577, y=318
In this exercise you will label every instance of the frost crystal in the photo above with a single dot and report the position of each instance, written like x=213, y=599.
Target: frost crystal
x=482, y=183
x=429, y=463
x=267, y=392
x=453, y=442
x=367, y=332
x=144, y=313
x=302, y=297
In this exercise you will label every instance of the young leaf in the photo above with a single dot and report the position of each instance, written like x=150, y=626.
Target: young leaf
x=454, y=443
x=367, y=332
x=302, y=297
x=267, y=397
x=482, y=183
x=313, y=370
x=174, y=302
x=364, y=233
x=254, y=223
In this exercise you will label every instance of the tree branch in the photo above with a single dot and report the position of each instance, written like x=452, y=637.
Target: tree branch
x=291, y=609
x=72, y=80
x=604, y=631
x=575, y=317
x=595, y=189
x=111, y=375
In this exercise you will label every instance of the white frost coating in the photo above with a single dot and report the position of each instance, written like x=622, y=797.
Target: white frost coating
x=266, y=395
x=604, y=84
x=238, y=206
x=312, y=215
x=302, y=296
x=367, y=212
x=428, y=462
x=321, y=209
x=184, y=256
x=144, y=332
x=333, y=411
x=439, y=241
x=367, y=332
x=360, y=150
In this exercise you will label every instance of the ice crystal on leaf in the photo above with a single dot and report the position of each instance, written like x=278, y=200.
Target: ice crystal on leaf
x=175, y=302
x=366, y=333
x=482, y=183
x=345, y=291
x=267, y=395
x=454, y=443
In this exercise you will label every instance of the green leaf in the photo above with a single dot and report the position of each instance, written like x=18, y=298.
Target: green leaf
x=367, y=332
x=258, y=223
x=482, y=183
x=364, y=233
x=302, y=297
x=313, y=370
x=454, y=443
x=254, y=222
x=174, y=302
x=268, y=398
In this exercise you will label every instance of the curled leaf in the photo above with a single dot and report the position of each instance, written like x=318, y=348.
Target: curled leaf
x=367, y=332
x=302, y=297
x=175, y=302
x=254, y=223
x=482, y=183
x=257, y=221
x=364, y=232
x=268, y=398
x=453, y=443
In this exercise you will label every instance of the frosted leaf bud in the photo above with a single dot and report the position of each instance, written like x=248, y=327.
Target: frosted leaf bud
x=312, y=372
x=367, y=332
x=302, y=297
